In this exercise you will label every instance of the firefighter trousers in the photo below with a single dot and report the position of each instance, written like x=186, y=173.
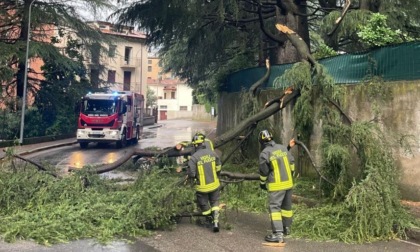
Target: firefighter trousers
x=208, y=202
x=280, y=209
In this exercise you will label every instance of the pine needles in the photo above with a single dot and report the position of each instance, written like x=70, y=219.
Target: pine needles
x=36, y=206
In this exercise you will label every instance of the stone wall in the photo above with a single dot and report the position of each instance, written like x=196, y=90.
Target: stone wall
x=400, y=119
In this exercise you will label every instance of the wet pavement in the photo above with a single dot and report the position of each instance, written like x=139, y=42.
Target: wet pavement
x=239, y=231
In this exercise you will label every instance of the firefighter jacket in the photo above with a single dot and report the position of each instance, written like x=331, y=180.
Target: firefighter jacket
x=204, y=165
x=276, y=164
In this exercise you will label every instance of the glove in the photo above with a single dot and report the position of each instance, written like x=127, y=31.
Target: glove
x=263, y=186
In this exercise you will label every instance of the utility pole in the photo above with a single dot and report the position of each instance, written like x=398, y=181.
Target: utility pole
x=25, y=80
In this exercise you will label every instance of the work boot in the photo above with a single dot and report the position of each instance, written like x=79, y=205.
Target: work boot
x=209, y=221
x=205, y=222
x=215, y=221
x=275, y=237
x=286, y=231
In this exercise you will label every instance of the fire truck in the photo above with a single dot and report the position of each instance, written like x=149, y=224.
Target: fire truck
x=114, y=117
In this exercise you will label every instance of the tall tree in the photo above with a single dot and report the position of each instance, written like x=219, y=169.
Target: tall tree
x=203, y=41
x=198, y=31
x=49, y=22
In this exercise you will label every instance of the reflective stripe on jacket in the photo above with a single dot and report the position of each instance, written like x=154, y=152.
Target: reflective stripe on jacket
x=204, y=165
x=275, y=166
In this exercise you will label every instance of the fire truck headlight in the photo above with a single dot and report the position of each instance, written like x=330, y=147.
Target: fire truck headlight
x=112, y=133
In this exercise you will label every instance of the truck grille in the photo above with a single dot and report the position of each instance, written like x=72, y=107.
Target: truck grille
x=96, y=135
x=110, y=124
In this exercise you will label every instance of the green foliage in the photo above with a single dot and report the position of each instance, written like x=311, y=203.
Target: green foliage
x=347, y=31
x=319, y=49
x=9, y=124
x=36, y=206
x=323, y=223
x=377, y=33
x=299, y=76
x=355, y=156
x=324, y=51
x=151, y=98
x=247, y=195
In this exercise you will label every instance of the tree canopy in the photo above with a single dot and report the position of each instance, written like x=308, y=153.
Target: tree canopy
x=51, y=22
x=203, y=41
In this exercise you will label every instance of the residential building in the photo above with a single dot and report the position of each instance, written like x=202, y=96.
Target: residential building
x=122, y=66
x=174, y=96
x=154, y=69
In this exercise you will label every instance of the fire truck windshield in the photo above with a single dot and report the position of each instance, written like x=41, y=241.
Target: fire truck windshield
x=94, y=107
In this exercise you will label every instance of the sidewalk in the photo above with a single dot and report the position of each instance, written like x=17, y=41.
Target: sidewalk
x=24, y=149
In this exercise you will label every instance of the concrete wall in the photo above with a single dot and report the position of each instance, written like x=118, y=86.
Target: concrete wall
x=199, y=113
x=179, y=114
x=400, y=119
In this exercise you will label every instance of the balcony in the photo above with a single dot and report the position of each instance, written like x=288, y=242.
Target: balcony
x=129, y=62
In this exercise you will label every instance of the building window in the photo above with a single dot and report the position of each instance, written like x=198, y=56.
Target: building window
x=111, y=76
x=149, y=62
x=172, y=95
x=127, y=80
x=164, y=96
x=127, y=54
x=149, y=68
x=163, y=107
x=183, y=108
x=111, y=51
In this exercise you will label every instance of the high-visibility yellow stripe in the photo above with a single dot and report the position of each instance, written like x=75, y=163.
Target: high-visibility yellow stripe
x=215, y=208
x=213, y=169
x=292, y=167
x=280, y=186
x=288, y=171
x=263, y=178
x=287, y=213
x=276, y=216
x=208, y=212
x=202, y=177
x=276, y=171
x=218, y=167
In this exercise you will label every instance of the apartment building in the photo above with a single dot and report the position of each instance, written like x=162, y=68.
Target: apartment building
x=174, y=96
x=122, y=65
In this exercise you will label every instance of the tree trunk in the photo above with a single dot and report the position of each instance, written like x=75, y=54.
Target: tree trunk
x=287, y=53
x=23, y=36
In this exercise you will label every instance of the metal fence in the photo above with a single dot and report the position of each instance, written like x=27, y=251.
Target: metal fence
x=392, y=63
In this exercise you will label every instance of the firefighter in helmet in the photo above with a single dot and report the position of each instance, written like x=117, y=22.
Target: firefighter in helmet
x=207, y=142
x=276, y=165
x=204, y=167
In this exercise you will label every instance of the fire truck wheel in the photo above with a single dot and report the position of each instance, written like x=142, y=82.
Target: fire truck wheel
x=84, y=145
x=123, y=141
x=136, y=140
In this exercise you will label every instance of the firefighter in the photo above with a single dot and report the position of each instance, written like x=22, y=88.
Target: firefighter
x=207, y=142
x=276, y=165
x=185, y=144
x=204, y=168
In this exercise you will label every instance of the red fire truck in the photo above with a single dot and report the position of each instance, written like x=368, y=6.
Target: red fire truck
x=115, y=117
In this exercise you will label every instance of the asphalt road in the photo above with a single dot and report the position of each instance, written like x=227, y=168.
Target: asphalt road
x=239, y=231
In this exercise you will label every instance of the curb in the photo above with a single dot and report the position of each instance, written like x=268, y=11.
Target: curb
x=29, y=151
x=413, y=233
x=46, y=148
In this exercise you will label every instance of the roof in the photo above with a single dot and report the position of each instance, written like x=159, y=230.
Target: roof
x=165, y=81
x=134, y=34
